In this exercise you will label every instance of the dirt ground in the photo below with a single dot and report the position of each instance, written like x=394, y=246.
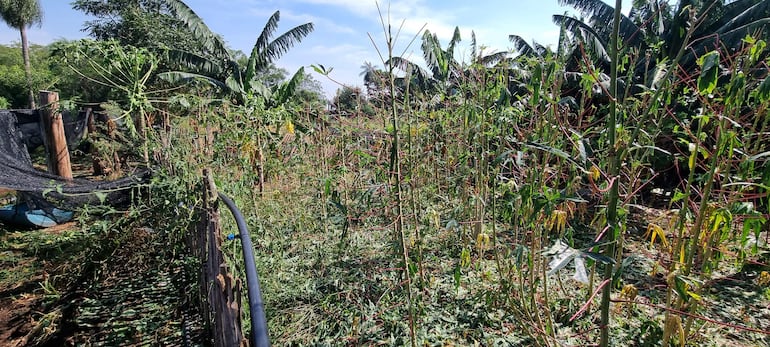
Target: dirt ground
x=56, y=292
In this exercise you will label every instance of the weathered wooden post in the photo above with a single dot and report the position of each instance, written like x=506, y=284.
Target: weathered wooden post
x=57, y=153
x=222, y=290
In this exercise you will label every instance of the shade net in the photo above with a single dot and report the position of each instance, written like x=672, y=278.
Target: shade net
x=45, y=191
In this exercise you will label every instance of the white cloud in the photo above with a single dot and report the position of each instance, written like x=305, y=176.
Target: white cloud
x=318, y=22
x=414, y=14
x=360, y=7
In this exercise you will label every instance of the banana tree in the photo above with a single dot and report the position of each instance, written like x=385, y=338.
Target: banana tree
x=443, y=70
x=655, y=23
x=219, y=67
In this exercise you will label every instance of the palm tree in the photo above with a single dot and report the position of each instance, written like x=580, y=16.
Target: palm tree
x=526, y=49
x=375, y=80
x=218, y=66
x=21, y=14
x=719, y=24
x=443, y=69
x=566, y=53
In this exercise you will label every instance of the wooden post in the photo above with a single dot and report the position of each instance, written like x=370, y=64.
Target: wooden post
x=223, y=291
x=55, y=141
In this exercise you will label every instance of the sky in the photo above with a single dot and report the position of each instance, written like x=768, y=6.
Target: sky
x=347, y=32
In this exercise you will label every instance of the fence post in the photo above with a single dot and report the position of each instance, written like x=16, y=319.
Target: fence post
x=223, y=291
x=58, y=155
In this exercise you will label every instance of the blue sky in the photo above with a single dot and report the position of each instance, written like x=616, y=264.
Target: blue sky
x=341, y=39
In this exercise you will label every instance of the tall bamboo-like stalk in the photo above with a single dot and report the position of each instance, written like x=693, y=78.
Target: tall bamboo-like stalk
x=614, y=168
x=395, y=173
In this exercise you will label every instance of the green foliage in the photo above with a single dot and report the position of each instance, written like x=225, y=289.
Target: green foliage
x=220, y=68
x=126, y=70
x=146, y=23
x=432, y=222
x=20, y=14
x=13, y=83
x=351, y=101
x=709, y=64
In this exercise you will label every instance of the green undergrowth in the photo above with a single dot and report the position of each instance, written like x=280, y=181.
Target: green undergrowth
x=325, y=250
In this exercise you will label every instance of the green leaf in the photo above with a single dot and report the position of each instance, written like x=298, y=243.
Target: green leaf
x=101, y=196
x=457, y=276
x=709, y=74
x=763, y=90
x=320, y=69
x=678, y=196
x=328, y=187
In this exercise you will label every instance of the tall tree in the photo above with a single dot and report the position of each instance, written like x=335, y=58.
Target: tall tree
x=141, y=23
x=21, y=14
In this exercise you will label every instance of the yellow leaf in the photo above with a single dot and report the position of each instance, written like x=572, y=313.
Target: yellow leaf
x=694, y=295
x=594, y=172
x=629, y=291
x=693, y=155
x=557, y=221
x=482, y=241
x=289, y=127
x=653, y=231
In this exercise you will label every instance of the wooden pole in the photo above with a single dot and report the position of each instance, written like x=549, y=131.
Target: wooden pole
x=58, y=156
x=224, y=295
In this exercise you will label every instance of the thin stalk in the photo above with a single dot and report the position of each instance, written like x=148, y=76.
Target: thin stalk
x=702, y=215
x=614, y=169
x=398, y=226
x=703, y=207
x=413, y=189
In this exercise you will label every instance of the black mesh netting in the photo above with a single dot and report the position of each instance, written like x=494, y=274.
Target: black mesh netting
x=45, y=191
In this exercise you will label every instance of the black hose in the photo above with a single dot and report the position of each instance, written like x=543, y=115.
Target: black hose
x=259, y=337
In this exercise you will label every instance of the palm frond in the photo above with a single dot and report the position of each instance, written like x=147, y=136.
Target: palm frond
x=20, y=14
x=261, y=44
x=601, y=13
x=651, y=14
x=453, y=42
x=493, y=59
x=753, y=14
x=592, y=8
x=288, y=89
x=405, y=65
x=198, y=28
x=522, y=46
x=192, y=61
x=267, y=32
x=413, y=70
x=584, y=31
x=431, y=50
x=729, y=39
x=368, y=71
x=541, y=50
x=565, y=44
x=178, y=77
x=276, y=48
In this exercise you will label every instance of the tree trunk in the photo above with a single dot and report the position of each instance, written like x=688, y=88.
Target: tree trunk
x=27, y=66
